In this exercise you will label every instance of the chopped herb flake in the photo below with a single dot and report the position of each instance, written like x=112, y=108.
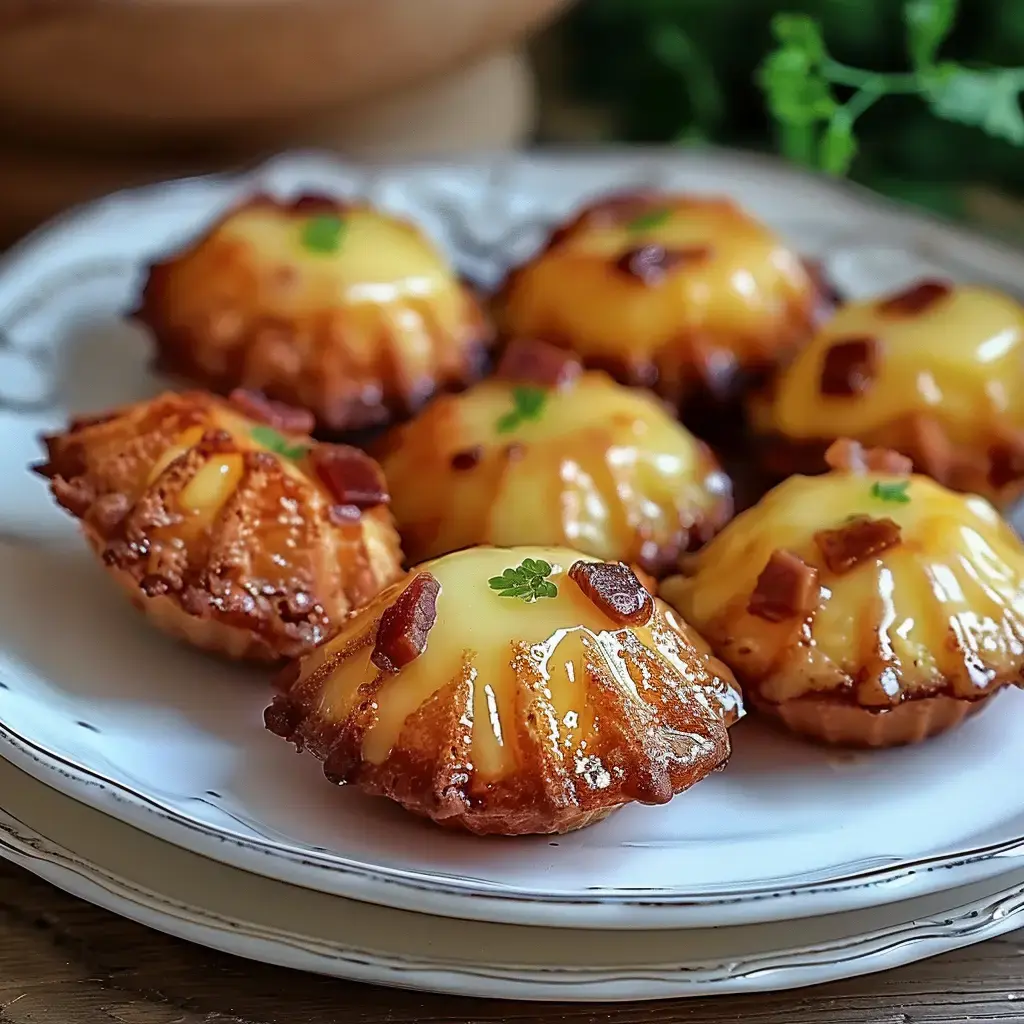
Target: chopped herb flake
x=528, y=581
x=895, y=492
x=648, y=220
x=323, y=233
x=268, y=437
x=528, y=404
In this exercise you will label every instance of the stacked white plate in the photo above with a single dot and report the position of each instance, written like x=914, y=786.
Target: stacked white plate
x=138, y=774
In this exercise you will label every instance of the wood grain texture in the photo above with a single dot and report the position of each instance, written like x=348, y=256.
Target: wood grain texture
x=65, y=962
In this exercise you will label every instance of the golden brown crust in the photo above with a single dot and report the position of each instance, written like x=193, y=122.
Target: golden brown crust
x=685, y=328
x=222, y=541
x=247, y=306
x=881, y=590
x=556, y=769
x=595, y=465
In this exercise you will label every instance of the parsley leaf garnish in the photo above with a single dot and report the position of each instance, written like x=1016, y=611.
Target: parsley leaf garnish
x=648, y=220
x=528, y=581
x=800, y=79
x=269, y=438
x=896, y=492
x=323, y=233
x=527, y=404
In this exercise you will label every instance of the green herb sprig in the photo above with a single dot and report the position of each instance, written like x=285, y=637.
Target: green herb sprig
x=895, y=492
x=647, y=221
x=528, y=581
x=324, y=233
x=800, y=80
x=527, y=404
x=269, y=438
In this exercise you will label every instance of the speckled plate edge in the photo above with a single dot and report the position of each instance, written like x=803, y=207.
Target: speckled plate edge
x=196, y=899
x=31, y=271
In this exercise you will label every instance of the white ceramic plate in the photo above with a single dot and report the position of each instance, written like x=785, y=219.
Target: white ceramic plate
x=160, y=885
x=100, y=707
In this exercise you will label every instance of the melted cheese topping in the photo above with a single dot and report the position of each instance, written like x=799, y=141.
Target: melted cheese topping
x=944, y=607
x=477, y=636
x=958, y=360
x=601, y=468
x=743, y=295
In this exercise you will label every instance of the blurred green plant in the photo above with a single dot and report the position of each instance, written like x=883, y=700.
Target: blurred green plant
x=697, y=70
x=800, y=79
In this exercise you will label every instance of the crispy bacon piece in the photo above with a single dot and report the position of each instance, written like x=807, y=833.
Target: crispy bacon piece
x=278, y=415
x=915, y=299
x=852, y=456
x=615, y=589
x=856, y=541
x=350, y=475
x=404, y=626
x=850, y=367
x=535, y=362
x=467, y=458
x=786, y=589
x=650, y=264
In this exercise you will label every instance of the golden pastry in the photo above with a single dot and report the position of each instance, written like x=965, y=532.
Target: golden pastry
x=542, y=454
x=686, y=294
x=330, y=306
x=864, y=606
x=935, y=372
x=512, y=691
x=228, y=526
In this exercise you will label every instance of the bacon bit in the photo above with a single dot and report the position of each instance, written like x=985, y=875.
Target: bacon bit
x=312, y=202
x=786, y=589
x=850, y=367
x=856, y=541
x=915, y=299
x=536, y=362
x=351, y=476
x=615, y=590
x=1006, y=460
x=851, y=456
x=90, y=420
x=278, y=415
x=467, y=458
x=404, y=626
x=650, y=264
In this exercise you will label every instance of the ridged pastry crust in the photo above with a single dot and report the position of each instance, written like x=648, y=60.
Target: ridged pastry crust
x=686, y=294
x=934, y=371
x=333, y=307
x=591, y=464
x=861, y=606
x=508, y=717
x=226, y=532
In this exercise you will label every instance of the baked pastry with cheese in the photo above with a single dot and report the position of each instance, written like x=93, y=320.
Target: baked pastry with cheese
x=935, y=371
x=227, y=525
x=330, y=306
x=512, y=691
x=865, y=606
x=542, y=453
x=686, y=294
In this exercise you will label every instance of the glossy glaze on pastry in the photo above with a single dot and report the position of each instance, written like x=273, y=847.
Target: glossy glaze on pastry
x=228, y=526
x=543, y=454
x=863, y=605
x=935, y=371
x=338, y=308
x=512, y=691
x=686, y=294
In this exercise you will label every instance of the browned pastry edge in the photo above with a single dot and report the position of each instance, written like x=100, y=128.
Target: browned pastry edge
x=996, y=472
x=214, y=611
x=337, y=408
x=840, y=724
x=427, y=772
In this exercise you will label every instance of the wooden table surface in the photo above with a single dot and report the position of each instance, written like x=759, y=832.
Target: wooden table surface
x=65, y=962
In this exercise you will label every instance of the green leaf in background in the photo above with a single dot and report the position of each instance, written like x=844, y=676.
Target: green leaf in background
x=987, y=99
x=838, y=147
x=802, y=33
x=928, y=24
